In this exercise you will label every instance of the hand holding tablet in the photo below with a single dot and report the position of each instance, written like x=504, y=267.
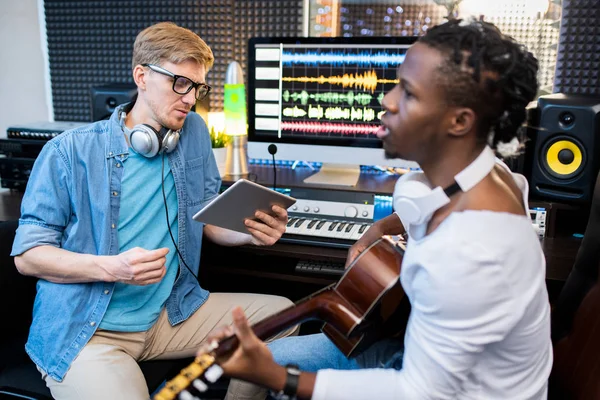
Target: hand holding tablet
x=240, y=202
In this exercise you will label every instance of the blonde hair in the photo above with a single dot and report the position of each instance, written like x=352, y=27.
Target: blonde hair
x=166, y=41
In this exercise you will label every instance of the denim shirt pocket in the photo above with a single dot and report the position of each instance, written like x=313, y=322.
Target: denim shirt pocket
x=194, y=178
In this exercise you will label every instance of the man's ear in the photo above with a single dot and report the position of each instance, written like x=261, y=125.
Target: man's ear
x=139, y=76
x=462, y=121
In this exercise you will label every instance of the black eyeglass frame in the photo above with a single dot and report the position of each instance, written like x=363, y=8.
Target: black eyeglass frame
x=198, y=86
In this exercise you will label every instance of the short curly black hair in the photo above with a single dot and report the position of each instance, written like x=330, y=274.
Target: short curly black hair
x=488, y=72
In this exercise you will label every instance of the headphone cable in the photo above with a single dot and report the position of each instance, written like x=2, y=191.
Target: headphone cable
x=167, y=214
x=274, y=174
x=272, y=150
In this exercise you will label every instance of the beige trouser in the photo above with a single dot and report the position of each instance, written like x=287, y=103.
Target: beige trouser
x=107, y=366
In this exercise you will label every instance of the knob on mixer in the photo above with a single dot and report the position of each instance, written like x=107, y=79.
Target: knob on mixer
x=350, y=212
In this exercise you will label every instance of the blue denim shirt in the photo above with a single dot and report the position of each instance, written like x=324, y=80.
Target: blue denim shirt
x=72, y=202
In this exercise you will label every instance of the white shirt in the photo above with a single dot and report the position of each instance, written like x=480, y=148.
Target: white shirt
x=480, y=321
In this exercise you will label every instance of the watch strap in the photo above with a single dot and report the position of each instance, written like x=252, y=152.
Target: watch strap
x=291, y=381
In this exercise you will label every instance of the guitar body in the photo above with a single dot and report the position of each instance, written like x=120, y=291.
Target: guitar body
x=371, y=289
x=365, y=306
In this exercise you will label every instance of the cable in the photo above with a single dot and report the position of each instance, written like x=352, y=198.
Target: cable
x=167, y=214
x=273, y=150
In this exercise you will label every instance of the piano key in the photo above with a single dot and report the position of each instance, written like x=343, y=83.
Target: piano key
x=361, y=231
x=299, y=223
x=324, y=232
x=341, y=232
x=328, y=229
x=348, y=234
x=305, y=229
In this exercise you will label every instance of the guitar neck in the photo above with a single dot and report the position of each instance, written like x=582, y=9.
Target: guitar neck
x=306, y=309
x=348, y=306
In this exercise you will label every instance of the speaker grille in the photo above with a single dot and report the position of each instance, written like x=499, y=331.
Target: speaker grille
x=578, y=60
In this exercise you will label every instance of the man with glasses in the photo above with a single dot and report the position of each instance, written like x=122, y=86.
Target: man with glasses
x=181, y=84
x=117, y=280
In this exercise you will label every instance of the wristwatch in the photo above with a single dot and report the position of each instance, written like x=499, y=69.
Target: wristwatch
x=290, y=389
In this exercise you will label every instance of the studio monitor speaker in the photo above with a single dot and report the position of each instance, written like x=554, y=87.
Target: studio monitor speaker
x=105, y=98
x=565, y=157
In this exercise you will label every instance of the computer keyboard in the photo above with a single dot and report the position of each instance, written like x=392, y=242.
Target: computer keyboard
x=331, y=268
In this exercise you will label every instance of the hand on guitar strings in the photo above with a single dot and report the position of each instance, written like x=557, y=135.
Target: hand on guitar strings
x=390, y=225
x=251, y=361
x=371, y=236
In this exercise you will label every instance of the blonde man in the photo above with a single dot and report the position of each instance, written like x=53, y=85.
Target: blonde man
x=117, y=280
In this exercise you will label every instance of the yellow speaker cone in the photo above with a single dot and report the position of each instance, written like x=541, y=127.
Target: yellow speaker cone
x=564, y=157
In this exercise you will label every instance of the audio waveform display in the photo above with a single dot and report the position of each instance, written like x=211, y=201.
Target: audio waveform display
x=325, y=127
x=294, y=112
x=329, y=92
x=349, y=97
x=335, y=113
x=339, y=58
x=367, y=81
x=364, y=114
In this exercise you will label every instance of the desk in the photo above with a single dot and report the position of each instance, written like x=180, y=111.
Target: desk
x=286, y=177
x=560, y=252
x=278, y=261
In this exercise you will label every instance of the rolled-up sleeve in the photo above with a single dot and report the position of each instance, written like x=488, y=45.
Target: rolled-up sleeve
x=46, y=204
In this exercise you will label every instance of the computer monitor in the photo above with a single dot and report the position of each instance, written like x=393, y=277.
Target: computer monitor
x=319, y=100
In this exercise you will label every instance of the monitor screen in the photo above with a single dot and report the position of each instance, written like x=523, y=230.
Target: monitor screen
x=317, y=98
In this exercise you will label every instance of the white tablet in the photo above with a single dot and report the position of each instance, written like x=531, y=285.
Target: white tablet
x=239, y=202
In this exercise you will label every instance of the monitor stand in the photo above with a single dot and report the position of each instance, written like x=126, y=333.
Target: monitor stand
x=335, y=174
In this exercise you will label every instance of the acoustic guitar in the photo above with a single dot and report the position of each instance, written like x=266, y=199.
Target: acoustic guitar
x=364, y=306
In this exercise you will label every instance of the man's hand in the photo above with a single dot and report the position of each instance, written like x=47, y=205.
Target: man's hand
x=136, y=266
x=369, y=237
x=268, y=229
x=252, y=361
x=389, y=225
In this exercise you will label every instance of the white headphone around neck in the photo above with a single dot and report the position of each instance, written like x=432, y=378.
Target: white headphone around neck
x=415, y=201
x=147, y=141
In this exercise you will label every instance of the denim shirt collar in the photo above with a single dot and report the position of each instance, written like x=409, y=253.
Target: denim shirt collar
x=116, y=146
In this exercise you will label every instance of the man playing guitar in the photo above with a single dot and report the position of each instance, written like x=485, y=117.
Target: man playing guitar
x=473, y=270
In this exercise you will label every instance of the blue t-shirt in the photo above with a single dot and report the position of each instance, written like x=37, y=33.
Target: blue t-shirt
x=142, y=223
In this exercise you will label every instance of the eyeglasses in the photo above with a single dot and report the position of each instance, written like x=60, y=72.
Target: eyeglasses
x=181, y=84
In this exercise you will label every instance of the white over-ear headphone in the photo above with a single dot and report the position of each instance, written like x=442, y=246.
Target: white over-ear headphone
x=415, y=201
x=147, y=141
